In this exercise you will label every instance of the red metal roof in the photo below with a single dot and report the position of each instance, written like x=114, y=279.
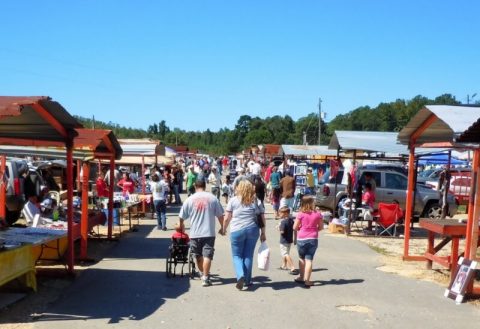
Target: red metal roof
x=100, y=141
x=36, y=120
x=271, y=149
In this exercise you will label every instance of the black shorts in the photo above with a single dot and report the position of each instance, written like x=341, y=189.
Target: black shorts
x=203, y=247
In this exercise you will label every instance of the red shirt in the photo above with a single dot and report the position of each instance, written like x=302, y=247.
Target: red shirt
x=126, y=185
x=368, y=198
x=178, y=235
x=101, y=188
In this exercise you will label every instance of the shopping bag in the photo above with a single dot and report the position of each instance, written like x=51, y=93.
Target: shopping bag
x=263, y=257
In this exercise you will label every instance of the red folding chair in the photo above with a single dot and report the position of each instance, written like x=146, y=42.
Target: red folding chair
x=388, y=217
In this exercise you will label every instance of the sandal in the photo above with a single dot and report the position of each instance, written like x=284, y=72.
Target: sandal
x=308, y=284
x=282, y=268
x=299, y=280
x=294, y=272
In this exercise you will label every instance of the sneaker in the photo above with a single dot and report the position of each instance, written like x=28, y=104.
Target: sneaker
x=164, y=229
x=206, y=281
x=240, y=283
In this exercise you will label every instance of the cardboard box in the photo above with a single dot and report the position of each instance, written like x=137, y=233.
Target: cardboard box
x=336, y=228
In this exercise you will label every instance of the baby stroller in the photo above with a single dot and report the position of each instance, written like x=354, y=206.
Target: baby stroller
x=179, y=253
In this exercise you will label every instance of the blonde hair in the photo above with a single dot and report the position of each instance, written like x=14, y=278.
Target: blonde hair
x=307, y=204
x=245, y=191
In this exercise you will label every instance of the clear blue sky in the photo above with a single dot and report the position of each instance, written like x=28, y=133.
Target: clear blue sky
x=202, y=64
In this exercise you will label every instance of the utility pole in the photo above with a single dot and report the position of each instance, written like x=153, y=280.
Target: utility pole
x=304, y=138
x=319, y=120
x=470, y=98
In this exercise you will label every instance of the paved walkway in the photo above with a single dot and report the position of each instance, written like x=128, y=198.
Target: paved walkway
x=129, y=289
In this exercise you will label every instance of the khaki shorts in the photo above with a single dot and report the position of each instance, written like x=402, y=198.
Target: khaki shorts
x=285, y=249
x=203, y=247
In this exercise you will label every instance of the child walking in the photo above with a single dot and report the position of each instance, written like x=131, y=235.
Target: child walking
x=307, y=224
x=227, y=188
x=287, y=237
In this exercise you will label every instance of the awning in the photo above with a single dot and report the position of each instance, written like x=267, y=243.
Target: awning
x=443, y=123
x=367, y=141
x=141, y=147
x=307, y=150
x=89, y=144
x=34, y=121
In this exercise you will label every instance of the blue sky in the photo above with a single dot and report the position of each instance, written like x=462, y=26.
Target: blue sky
x=203, y=64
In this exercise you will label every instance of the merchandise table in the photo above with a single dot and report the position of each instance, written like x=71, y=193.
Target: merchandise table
x=41, y=240
x=132, y=208
x=18, y=263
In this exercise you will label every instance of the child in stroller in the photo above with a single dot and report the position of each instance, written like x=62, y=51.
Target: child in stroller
x=179, y=252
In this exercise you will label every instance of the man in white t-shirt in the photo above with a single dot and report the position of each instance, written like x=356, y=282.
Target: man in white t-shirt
x=201, y=209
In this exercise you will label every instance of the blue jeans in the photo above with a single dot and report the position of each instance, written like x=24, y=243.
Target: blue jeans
x=307, y=248
x=176, y=189
x=161, y=210
x=243, y=247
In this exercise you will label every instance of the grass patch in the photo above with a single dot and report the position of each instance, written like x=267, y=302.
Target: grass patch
x=380, y=250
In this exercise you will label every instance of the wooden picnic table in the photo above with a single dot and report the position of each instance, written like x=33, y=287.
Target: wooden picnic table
x=452, y=230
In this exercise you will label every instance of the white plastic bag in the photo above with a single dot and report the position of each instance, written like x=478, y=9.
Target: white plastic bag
x=263, y=257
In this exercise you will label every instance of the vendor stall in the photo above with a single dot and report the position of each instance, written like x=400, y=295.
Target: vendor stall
x=143, y=152
x=88, y=145
x=40, y=121
x=458, y=126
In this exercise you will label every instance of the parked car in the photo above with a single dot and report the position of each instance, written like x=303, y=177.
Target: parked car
x=391, y=184
x=460, y=181
x=22, y=181
x=432, y=175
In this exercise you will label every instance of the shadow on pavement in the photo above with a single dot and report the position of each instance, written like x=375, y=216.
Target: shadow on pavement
x=121, y=289
x=338, y=282
x=116, y=295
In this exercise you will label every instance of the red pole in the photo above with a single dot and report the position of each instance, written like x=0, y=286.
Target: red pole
x=3, y=188
x=84, y=220
x=110, y=196
x=409, y=204
x=143, y=183
x=473, y=210
x=79, y=181
x=71, y=253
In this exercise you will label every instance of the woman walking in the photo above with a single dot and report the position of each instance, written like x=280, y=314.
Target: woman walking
x=158, y=188
x=307, y=224
x=242, y=212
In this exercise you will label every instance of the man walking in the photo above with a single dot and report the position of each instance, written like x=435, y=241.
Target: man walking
x=215, y=181
x=201, y=209
x=287, y=185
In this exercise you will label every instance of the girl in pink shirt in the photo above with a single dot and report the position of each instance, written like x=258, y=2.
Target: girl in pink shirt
x=307, y=224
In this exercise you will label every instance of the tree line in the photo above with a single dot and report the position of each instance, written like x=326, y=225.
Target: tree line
x=392, y=116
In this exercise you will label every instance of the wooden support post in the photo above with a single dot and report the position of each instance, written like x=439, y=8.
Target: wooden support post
x=84, y=219
x=471, y=239
x=110, y=196
x=143, y=184
x=3, y=190
x=70, y=251
x=409, y=203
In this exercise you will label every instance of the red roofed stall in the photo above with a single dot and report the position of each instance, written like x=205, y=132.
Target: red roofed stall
x=40, y=121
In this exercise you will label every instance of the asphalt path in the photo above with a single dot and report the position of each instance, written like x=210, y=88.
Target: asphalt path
x=129, y=289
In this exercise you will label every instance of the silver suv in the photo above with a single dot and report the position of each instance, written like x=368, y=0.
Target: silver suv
x=391, y=184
